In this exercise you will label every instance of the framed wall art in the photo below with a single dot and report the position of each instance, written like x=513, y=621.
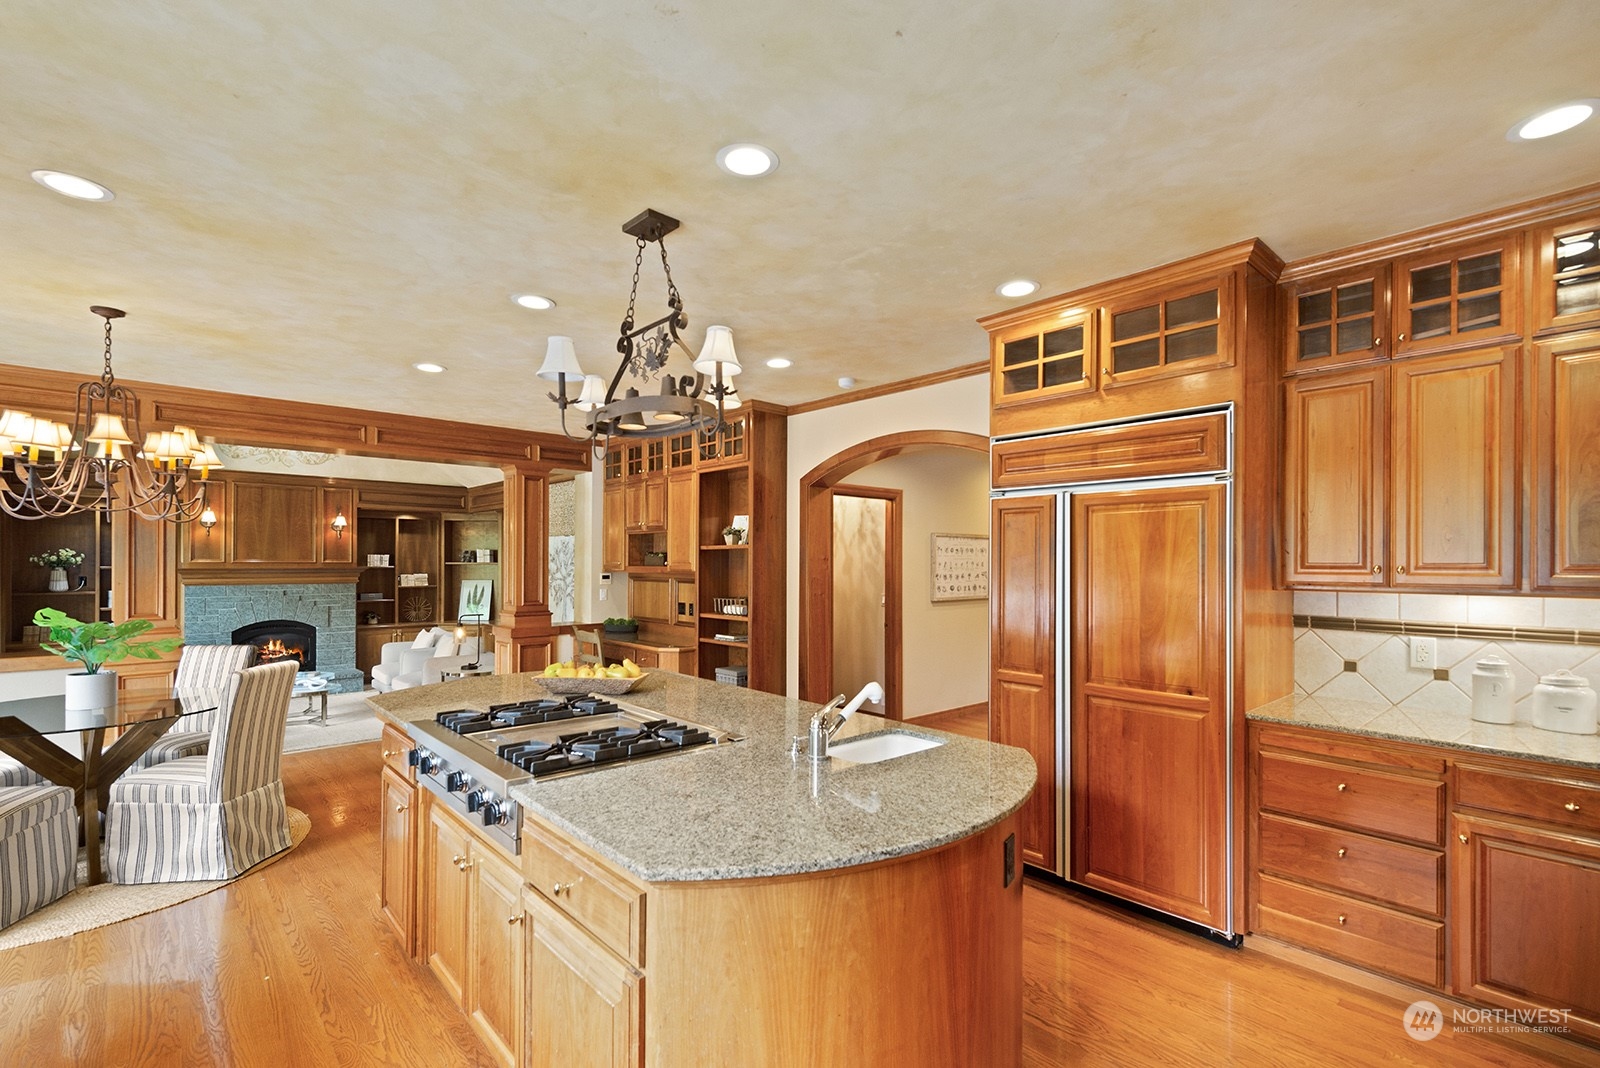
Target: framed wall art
x=960, y=568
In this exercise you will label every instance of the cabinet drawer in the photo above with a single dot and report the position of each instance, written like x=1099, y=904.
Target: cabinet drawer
x=1190, y=445
x=1368, y=935
x=1403, y=875
x=396, y=744
x=1399, y=806
x=1550, y=801
x=609, y=906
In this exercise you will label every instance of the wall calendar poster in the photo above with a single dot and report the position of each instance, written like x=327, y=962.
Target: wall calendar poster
x=960, y=567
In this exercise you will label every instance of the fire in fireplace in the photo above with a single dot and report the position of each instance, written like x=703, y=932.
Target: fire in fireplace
x=280, y=639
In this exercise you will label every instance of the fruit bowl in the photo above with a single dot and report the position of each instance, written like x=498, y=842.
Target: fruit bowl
x=608, y=687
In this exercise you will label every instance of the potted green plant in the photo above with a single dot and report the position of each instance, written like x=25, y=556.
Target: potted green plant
x=618, y=626
x=57, y=560
x=94, y=645
x=732, y=535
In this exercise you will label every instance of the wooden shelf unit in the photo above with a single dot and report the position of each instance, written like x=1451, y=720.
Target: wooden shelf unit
x=25, y=586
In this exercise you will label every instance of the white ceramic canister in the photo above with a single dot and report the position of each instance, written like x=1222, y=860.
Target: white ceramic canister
x=1491, y=691
x=1564, y=702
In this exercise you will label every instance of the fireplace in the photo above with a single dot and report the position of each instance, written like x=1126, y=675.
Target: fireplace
x=280, y=639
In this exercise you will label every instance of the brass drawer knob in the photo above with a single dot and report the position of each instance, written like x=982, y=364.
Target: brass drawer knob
x=1571, y=806
x=399, y=808
x=1377, y=569
x=1341, y=853
x=513, y=920
x=1341, y=921
x=560, y=888
x=1463, y=838
x=1343, y=787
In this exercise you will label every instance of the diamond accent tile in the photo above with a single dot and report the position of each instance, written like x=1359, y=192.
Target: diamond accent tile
x=1388, y=670
x=1314, y=662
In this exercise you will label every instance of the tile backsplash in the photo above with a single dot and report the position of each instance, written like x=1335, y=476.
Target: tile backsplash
x=1382, y=670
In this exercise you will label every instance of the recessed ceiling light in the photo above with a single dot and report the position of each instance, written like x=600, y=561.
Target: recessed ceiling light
x=780, y=363
x=431, y=368
x=1017, y=287
x=1552, y=121
x=747, y=161
x=70, y=185
x=846, y=382
x=534, y=301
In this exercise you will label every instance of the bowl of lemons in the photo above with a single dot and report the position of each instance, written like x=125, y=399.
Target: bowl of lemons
x=573, y=678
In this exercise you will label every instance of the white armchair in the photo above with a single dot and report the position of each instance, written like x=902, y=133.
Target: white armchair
x=433, y=671
x=405, y=659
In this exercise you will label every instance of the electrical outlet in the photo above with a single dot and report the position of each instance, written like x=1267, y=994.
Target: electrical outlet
x=1424, y=652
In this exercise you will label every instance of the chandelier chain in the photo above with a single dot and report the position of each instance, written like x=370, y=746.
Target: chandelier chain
x=106, y=376
x=633, y=293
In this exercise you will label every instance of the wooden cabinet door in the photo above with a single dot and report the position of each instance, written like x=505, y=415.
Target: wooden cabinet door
x=584, y=1005
x=614, y=536
x=1338, y=319
x=1453, y=475
x=1335, y=478
x=1469, y=294
x=397, y=880
x=444, y=904
x=645, y=504
x=683, y=521
x=1149, y=712
x=1031, y=362
x=1566, y=275
x=1022, y=650
x=1566, y=462
x=1525, y=908
x=494, y=1000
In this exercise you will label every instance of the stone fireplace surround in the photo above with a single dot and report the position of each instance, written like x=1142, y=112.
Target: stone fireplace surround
x=211, y=613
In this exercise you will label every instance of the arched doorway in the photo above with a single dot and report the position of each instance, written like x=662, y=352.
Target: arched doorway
x=817, y=489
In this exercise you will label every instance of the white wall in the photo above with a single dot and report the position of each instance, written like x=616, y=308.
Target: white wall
x=17, y=685
x=945, y=646
x=961, y=404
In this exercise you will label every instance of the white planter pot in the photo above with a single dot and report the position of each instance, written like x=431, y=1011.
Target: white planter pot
x=91, y=691
x=58, y=580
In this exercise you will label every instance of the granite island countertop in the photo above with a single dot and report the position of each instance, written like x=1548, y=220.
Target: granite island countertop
x=1451, y=730
x=751, y=809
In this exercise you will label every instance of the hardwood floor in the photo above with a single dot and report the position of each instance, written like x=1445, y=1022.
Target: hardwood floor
x=291, y=967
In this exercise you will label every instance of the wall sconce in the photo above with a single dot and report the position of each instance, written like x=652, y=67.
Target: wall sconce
x=339, y=524
x=208, y=519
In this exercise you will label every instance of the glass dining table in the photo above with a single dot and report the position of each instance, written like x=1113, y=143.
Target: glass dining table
x=27, y=727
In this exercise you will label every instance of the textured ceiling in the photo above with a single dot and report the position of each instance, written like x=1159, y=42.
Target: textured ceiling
x=311, y=196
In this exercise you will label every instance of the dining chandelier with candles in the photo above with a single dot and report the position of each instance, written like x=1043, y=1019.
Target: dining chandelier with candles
x=55, y=469
x=683, y=402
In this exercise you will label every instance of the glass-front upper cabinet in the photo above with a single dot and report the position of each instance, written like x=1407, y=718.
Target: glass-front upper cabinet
x=1567, y=275
x=1044, y=359
x=1465, y=294
x=1338, y=319
x=1172, y=332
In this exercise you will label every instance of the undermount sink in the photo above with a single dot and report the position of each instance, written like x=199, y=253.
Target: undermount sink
x=872, y=748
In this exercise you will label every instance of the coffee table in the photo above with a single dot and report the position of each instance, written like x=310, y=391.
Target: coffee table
x=313, y=685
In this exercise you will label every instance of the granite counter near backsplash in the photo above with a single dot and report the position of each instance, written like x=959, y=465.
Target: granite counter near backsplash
x=1455, y=730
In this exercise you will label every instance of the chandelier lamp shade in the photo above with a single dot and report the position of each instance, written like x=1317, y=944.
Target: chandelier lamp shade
x=613, y=409
x=102, y=461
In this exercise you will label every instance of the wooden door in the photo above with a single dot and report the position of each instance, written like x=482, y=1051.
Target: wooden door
x=683, y=521
x=1453, y=477
x=584, y=1005
x=446, y=847
x=494, y=993
x=1524, y=911
x=1149, y=712
x=397, y=880
x=614, y=538
x=1022, y=651
x=1566, y=462
x=1335, y=478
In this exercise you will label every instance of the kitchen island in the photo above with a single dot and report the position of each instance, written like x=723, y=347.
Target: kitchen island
x=734, y=904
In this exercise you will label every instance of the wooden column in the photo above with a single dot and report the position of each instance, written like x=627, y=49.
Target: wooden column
x=144, y=568
x=523, y=637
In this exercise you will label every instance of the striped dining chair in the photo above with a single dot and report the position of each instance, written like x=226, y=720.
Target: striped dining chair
x=212, y=816
x=202, y=669
x=38, y=848
x=13, y=773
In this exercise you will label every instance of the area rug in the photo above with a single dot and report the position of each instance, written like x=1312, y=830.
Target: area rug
x=350, y=720
x=89, y=907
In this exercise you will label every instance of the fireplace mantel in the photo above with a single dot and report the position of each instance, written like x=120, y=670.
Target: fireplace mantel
x=246, y=575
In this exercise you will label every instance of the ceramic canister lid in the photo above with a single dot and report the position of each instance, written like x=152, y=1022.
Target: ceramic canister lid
x=1494, y=664
x=1563, y=678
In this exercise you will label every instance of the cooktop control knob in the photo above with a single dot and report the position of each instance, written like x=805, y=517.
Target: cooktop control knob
x=456, y=782
x=475, y=800
x=428, y=763
x=492, y=814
